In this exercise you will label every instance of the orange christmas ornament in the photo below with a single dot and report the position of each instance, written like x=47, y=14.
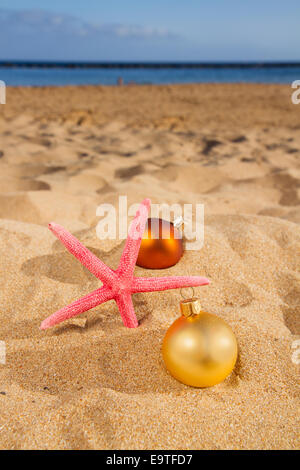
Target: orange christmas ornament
x=161, y=246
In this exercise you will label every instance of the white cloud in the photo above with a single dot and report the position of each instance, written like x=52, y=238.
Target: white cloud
x=45, y=22
x=139, y=31
x=40, y=35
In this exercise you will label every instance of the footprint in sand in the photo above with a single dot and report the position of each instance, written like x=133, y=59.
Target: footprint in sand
x=291, y=312
x=291, y=316
x=239, y=139
x=237, y=294
x=10, y=185
x=62, y=267
x=128, y=173
x=288, y=289
x=209, y=145
x=104, y=365
x=54, y=169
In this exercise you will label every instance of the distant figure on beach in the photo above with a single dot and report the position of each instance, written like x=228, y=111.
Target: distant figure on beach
x=120, y=81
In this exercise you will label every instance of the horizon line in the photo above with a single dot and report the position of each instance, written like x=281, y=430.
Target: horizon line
x=145, y=64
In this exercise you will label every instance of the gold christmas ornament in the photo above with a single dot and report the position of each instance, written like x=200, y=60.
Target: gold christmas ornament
x=199, y=349
x=161, y=245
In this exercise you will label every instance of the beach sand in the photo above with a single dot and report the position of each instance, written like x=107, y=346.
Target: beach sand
x=91, y=383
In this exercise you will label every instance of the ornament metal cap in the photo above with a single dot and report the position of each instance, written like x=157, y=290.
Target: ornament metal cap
x=190, y=307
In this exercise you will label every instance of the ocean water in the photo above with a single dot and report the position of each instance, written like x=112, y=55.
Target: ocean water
x=18, y=76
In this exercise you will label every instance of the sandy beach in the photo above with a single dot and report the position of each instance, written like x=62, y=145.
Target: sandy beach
x=90, y=383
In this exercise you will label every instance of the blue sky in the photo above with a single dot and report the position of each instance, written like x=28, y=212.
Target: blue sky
x=212, y=30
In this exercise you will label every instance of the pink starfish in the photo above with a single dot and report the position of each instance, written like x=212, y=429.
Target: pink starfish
x=120, y=284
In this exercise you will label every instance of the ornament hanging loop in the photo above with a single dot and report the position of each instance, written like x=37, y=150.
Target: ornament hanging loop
x=179, y=222
x=189, y=306
x=186, y=296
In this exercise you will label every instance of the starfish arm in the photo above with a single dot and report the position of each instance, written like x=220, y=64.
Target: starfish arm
x=125, y=305
x=133, y=242
x=83, y=254
x=144, y=284
x=91, y=300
